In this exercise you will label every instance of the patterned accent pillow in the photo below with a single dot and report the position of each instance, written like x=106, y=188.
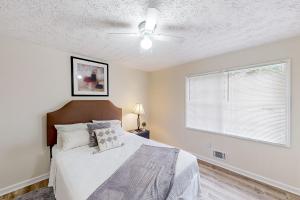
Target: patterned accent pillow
x=115, y=124
x=91, y=128
x=107, y=139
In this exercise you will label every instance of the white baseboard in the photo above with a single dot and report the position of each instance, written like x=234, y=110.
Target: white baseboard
x=23, y=184
x=251, y=175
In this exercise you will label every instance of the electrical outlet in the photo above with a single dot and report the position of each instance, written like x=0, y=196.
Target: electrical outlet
x=209, y=145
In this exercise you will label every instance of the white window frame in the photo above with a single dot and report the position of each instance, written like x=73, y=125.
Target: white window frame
x=288, y=95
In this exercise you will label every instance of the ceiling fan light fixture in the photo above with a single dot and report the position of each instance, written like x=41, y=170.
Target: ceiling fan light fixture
x=146, y=43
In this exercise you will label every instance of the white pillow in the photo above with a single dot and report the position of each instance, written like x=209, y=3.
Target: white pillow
x=73, y=139
x=61, y=128
x=114, y=124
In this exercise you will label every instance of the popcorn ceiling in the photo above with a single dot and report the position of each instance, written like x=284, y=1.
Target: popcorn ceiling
x=210, y=27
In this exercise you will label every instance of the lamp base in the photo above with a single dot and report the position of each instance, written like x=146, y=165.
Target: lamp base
x=138, y=122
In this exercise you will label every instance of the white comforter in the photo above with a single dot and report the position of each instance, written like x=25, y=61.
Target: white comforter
x=77, y=173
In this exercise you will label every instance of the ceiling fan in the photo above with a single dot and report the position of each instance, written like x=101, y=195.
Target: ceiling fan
x=146, y=31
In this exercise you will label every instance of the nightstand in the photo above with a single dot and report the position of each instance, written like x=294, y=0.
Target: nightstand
x=143, y=133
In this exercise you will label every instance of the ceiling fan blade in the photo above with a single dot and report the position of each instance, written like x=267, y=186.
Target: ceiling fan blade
x=151, y=19
x=113, y=35
x=168, y=38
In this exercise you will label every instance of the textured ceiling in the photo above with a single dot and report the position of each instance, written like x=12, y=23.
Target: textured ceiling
x=210, y=27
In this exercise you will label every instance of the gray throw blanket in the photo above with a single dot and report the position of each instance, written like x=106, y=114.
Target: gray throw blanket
x=147, y=175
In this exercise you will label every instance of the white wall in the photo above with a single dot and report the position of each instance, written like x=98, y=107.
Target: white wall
x=278, y=165
x=35, y=80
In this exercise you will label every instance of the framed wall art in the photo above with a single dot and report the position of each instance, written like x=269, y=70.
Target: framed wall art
x=89, y=78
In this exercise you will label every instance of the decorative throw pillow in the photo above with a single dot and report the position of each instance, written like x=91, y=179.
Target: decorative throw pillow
x=91, y=128
x=107, y=139
x=114, y=124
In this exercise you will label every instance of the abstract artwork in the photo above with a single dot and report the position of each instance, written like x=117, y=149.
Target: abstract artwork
x=89, y=78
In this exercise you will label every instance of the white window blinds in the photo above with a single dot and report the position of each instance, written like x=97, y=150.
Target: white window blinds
x=251, y=103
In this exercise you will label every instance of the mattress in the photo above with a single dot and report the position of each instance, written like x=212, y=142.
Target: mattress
x=77, y=173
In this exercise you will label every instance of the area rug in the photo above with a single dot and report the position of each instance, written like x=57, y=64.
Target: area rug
x=45, y=193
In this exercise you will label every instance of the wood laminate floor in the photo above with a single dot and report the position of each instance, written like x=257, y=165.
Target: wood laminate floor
x=24, y=190
x=216, y=183
x=221, y=184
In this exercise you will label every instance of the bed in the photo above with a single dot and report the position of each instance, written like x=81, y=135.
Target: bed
x=75, y=174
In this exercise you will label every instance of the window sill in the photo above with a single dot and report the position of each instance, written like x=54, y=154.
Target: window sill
x=288, y=145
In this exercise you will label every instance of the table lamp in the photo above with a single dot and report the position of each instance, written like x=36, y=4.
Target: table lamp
x=139, y=110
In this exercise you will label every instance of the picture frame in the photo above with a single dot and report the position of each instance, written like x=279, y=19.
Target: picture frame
x=89, y=77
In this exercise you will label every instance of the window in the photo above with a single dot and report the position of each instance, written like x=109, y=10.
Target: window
x=252, y=103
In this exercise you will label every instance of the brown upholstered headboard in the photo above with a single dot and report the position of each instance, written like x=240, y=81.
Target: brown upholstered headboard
x=80, y=111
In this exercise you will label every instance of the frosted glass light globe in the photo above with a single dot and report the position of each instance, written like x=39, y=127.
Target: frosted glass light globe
x=146, y=43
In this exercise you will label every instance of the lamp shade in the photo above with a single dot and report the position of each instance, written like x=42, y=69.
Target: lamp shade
x=138, y=109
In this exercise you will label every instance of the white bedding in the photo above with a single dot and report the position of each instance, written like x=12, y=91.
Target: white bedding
x=77, y=173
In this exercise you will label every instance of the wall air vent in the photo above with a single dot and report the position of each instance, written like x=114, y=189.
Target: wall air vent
x=219, y=155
